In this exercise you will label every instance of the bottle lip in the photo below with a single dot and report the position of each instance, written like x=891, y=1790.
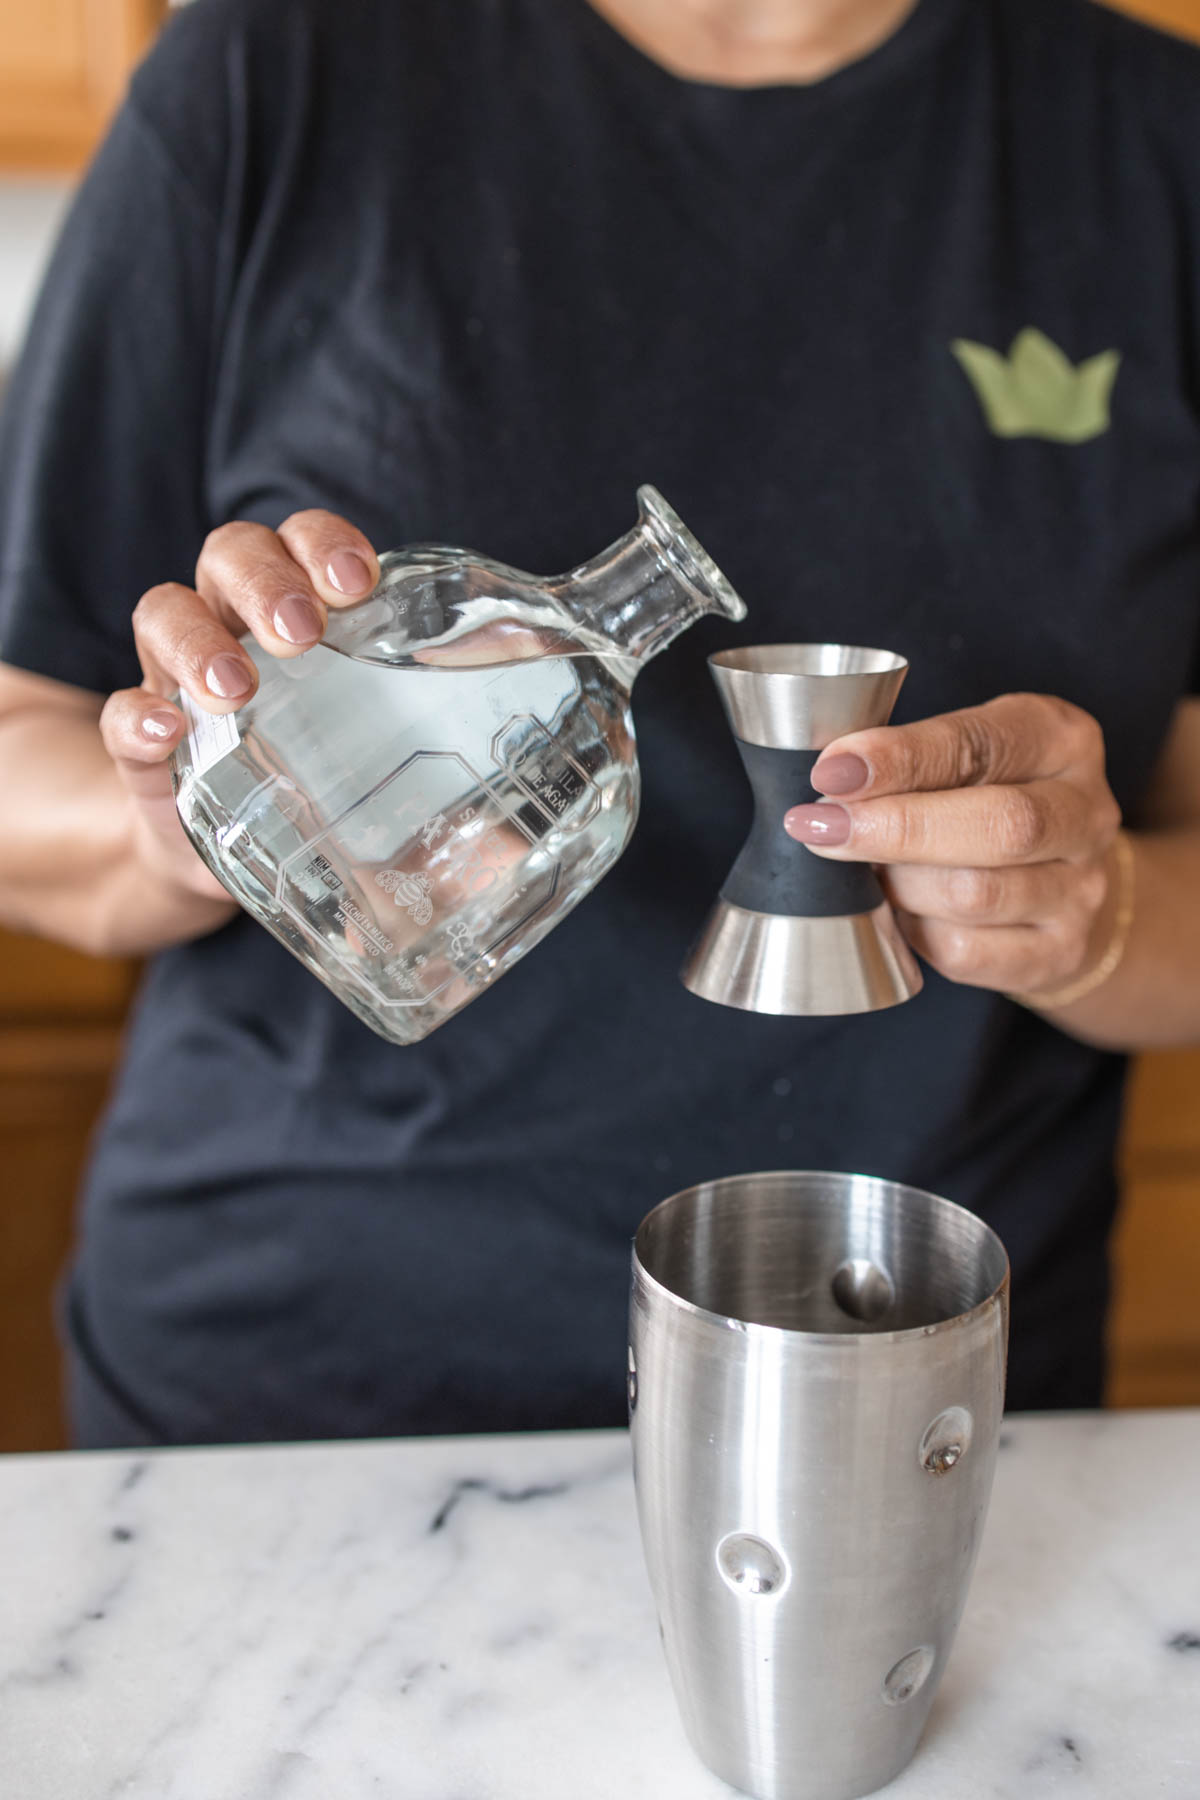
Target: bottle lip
x=689, y=556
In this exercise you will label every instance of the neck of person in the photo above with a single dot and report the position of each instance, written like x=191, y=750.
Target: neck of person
x=755, y=43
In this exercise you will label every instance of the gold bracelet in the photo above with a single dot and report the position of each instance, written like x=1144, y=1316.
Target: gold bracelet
x=1123, y=919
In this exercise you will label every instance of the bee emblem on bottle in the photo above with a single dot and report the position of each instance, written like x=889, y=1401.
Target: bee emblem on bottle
x=412, y=892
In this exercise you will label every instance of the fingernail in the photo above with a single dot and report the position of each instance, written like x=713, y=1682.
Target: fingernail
x=159, y=725
x=297, y=620
x=841, y=774
x=228, y=677
x=821, y=826
x=348, y=573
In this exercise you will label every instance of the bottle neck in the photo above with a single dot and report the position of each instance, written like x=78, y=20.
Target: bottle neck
x=649, y=586
x=630, y=595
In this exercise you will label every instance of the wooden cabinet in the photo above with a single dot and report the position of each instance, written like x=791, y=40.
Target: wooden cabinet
x=63, y=69
x=1182, y=16
x=1155, y=1328
x=60, y=1023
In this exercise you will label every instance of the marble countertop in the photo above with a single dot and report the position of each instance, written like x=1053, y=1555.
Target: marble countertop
x=468, y=1619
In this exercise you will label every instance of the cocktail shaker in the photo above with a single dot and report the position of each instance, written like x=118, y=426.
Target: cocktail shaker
x=816, y=1380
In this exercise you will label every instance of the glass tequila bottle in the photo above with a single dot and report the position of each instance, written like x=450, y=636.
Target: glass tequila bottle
x=415, y=802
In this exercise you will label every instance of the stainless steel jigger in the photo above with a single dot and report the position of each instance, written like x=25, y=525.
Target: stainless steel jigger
x=816, y=1382
x=793, y=932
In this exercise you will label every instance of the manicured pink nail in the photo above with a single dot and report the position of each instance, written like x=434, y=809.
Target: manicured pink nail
x=297, y=620
x=842, y=774
x=348, y=573
x=821, y=826
x=160, y=725
x=228, y=678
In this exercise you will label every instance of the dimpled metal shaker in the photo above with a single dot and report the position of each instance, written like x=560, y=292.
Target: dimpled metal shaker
x=792, y=932
x=816, y=1381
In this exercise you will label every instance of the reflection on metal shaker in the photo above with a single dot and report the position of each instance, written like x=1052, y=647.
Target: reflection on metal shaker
x=816, y=1382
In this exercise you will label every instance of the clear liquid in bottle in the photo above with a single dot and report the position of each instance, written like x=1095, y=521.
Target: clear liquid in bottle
x=413, y=804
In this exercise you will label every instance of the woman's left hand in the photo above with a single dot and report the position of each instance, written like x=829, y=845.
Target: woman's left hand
x=996, y=827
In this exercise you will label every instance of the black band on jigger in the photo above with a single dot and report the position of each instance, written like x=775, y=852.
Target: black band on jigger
x=775, y=874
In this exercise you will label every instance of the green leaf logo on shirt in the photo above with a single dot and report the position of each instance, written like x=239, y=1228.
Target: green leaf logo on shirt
x=1038, y=392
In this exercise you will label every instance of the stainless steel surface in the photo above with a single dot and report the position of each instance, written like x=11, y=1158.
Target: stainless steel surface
x=802, y=696
x=816, y=1373
x=773, y=963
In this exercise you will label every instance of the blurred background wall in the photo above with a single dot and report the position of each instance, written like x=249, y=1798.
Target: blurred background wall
x=63, y=66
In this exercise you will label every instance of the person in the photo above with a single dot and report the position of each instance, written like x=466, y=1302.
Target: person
x=899, y=304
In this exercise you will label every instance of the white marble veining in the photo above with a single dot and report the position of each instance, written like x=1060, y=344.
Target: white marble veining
x=468, y=1619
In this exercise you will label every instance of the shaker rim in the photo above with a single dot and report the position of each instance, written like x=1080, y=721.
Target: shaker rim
x=825, y=1339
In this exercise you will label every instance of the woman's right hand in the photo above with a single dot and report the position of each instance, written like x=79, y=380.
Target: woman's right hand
x=276, y=585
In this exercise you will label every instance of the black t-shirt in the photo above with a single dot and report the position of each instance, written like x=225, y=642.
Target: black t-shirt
x=469, y=271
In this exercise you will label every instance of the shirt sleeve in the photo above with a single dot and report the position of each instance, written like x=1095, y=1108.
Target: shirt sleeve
x=102, y=435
